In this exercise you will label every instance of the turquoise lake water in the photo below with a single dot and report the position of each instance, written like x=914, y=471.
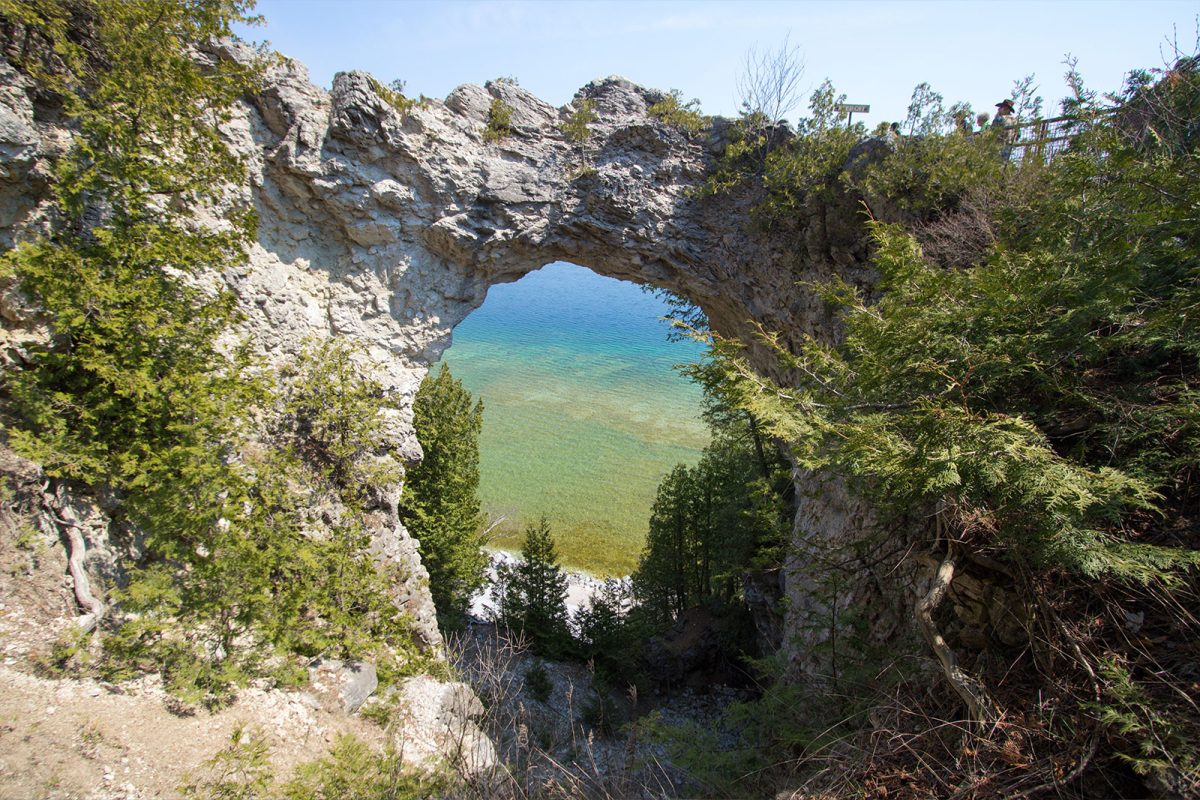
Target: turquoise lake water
x=583, y=412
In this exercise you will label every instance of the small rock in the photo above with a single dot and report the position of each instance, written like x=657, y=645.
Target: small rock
x=353, y=681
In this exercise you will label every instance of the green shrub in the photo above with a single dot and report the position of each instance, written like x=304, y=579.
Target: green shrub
x=576, y=126
x=499, y=121
x=258, y=577
x=537, y=682
x=354, y=770
x=394, y=96
x=600, y=712
x=239, y=771
x=673, y=111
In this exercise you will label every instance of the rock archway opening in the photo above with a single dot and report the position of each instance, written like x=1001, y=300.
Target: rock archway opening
x=584, y=412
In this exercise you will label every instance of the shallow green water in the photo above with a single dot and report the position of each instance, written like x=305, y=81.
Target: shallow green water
x=583, y=413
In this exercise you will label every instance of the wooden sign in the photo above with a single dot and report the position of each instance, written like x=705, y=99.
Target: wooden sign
x=853, y=108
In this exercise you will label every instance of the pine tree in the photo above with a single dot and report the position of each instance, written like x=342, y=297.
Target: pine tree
x=441, y=497
x=709, y=524
x=533, y=593
x=136, y=394
x=661, y=579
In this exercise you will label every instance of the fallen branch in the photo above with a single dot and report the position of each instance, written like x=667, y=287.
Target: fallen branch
x=1070, y=777
x=487, y=532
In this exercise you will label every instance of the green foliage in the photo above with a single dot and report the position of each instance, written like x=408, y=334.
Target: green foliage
x=1027, y=103
x=334, y=419
x=612, y=633
x=1033, y=397
x=537, y=682
x=69, y=654
x=134, y=395
x=793, y=172
x=712, y=522
x=926, y=114
x=441, y=500
x=393, y=95
x=211, y=604
x=582, y=115
x=354, y=769
x=600, y=712
x=923, y=174
x=532, y=593
x=713, y=767
x=132, y=383
x=687, y=319
x=1152, y=741
x=1045, y=395
x=685, y=117
x=499, y=121
x=930, y=175
x=239, y=771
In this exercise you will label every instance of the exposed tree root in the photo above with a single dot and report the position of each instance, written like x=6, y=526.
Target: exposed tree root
x=979, y=703
x=61, y=515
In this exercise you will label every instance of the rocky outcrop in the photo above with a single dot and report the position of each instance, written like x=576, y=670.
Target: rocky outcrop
x=438, y=719
x=388, y=225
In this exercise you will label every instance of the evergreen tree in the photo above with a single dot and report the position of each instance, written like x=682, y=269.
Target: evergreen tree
x=133, y=380
x=441, y=497
x=533, y=593
x=135, y=396
x=1028, y=407
x=661, y=579
x=708, y=525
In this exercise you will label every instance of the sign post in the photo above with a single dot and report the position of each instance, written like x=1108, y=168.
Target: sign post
x=850, y=109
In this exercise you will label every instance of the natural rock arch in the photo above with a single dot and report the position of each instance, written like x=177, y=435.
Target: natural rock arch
x=388, y=226
x=407, y=217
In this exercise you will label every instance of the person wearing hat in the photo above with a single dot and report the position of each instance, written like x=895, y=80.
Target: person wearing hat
x=1006, y=121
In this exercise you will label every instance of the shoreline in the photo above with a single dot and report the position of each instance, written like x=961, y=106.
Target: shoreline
x=581, y=587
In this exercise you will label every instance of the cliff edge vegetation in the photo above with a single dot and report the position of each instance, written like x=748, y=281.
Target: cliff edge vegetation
x=241, y=492
x=1016, y=394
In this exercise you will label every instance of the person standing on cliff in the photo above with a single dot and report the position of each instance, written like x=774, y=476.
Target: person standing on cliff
x=1006, y=121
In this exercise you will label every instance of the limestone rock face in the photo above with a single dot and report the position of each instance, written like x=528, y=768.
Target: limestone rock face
x=438, y=719
x=388, y=227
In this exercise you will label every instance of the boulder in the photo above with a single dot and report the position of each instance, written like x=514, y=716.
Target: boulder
x=438, y=719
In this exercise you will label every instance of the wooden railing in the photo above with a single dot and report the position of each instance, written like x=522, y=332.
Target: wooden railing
x=1043, y=139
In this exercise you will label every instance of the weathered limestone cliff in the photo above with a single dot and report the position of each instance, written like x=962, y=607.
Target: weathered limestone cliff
x=388, y=227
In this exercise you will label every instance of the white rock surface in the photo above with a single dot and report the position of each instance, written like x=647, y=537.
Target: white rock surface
x=436, y=718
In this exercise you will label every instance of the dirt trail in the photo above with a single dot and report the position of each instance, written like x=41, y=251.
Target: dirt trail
x=80, y=739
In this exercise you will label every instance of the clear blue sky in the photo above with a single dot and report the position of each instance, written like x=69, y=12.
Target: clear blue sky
x=873, y=51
